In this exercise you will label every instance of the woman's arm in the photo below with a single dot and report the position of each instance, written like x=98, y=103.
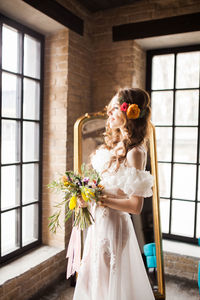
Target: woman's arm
x=133, y=204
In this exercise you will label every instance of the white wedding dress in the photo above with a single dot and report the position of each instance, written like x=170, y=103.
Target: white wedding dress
x=112, y=267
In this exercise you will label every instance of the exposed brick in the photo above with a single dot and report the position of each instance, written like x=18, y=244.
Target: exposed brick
x=14, y=294
x=9, y=286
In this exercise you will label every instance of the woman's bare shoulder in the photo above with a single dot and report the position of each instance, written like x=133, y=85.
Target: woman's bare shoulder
x=135, y=157
x=135, y=152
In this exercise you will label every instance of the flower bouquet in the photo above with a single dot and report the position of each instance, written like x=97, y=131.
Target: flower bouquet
x=73, y=185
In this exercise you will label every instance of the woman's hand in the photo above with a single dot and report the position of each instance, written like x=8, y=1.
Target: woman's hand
x=81, y=202
x=102, y=200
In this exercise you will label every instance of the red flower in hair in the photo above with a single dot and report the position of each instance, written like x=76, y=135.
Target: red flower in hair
x=124, y=106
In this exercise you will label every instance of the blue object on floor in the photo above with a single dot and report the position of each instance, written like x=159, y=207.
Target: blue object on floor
x=149, y=249
x=199, y=241
x=150, y=253
x=151, y=261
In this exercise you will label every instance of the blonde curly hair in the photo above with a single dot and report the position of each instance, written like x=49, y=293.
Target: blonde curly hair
x=135, y=131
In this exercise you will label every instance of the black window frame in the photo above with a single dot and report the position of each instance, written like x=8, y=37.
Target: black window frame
x=24, y=30
x=175, y=51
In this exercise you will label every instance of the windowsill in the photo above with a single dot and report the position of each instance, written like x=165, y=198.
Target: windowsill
x=181, y=248
x=27, y=262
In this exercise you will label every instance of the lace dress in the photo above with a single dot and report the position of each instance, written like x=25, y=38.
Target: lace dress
x=112, y=267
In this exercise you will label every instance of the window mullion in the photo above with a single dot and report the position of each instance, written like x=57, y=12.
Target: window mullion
x=21, y=130
x=197, y=166
x=41, y=140
x=172, y=156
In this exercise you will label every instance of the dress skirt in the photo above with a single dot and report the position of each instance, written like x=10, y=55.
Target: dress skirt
x=112, y=267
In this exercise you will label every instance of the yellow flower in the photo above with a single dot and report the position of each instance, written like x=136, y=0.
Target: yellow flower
x=84, y=195
x=133, y=111
x=88, y=191
x=66, y=183
x=72, y=202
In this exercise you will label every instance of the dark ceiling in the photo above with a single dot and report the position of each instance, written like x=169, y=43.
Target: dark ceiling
x=96, y=5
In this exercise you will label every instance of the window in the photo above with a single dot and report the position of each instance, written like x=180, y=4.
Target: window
x=173, y=82
x=21, y=133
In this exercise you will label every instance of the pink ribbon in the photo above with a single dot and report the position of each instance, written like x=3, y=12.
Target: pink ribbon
x=74, y=252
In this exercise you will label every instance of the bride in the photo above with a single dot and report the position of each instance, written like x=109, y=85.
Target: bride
x=112, y=267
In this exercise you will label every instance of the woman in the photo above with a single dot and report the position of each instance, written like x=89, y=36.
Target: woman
x=112, y=267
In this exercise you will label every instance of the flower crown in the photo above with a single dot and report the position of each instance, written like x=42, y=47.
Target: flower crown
x=132, y=110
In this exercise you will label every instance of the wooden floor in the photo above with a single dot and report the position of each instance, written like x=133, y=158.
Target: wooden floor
x=176, y=289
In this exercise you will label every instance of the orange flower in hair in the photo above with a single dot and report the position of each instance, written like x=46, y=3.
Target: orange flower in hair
x=133, y=111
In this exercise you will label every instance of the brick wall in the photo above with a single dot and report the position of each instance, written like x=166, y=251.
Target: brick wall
x=79, y=97
x=181, y=266
x=118, y=64
x=79, y=85
x=54, y=127
x=67, y=96
x=31, y=282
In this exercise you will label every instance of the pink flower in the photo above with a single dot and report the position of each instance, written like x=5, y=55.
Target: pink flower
x=124, y=106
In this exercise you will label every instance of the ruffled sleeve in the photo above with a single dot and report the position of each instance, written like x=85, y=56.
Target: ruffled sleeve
x=133, y=181
x=130, y=180
x=100, y=158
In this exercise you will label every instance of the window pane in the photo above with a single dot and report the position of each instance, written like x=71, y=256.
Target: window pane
x=199, y=184
x=187, y=107
x=30, y=141
x=31, y=99
x=184, y=182
x=163, y=72
x=11, y=95
x=9, y=231
x=182, y=218
x=10, y=49
x=10, y=141
x=187, y=74
x=198, y=221
x=185, y=148
x=31, y=57
x=162, y=108
x=30, y=183
x=164, y=171
x=164, y=143
x=10, y=186
x=164, y=211
x=29, y=224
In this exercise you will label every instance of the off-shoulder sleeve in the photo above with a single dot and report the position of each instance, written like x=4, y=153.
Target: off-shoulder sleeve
x=137, y=182
x=99, y=159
